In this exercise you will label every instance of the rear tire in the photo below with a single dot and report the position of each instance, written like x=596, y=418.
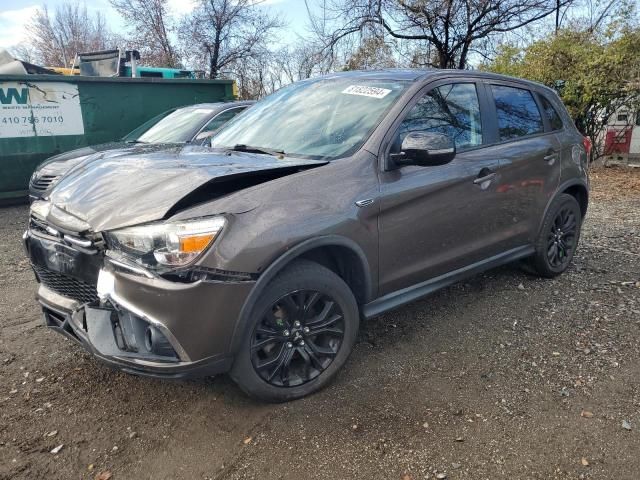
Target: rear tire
x=558, y=237
x=302, y=330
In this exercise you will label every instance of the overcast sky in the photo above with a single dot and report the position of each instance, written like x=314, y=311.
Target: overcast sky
x=15, y=14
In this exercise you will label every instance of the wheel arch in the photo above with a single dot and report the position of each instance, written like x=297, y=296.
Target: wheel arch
x=577, y=189
x=580, y=192
x=339, y=254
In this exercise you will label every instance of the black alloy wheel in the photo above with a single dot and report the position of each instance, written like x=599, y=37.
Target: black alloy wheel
x=297, y=338
x=557, y=238
x=561, y=240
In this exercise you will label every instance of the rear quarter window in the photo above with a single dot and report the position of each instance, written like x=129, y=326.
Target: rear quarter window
x=555, y=122
x=517, y=112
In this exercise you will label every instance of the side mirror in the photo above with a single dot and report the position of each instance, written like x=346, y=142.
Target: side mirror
x=425, y=149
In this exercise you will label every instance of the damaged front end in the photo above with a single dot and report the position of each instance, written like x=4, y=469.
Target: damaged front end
x=169, y=322
x=127, y=273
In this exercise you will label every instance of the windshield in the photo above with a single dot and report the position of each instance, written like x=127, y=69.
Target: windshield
x=178, y=127
x=325, y=118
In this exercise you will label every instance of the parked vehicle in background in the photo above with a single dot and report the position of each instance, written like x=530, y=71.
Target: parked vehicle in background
x=334, y=199
x=45, y=115
x=192, y=124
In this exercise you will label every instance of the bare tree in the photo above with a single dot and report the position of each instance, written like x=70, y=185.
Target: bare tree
x=225, y=32
x=451, y=27
x=149, y=30
x=302, y=61
x=373, y=53
x=24, y=52
x=70, y=29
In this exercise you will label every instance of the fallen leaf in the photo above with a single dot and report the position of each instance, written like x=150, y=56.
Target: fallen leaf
x=57, y=449
x=247, y=440
x=586, y=414
x=105, y=475
x=584, y=462
x=406, y=476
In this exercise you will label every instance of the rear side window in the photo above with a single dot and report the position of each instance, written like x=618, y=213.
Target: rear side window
x=518, y=114
x=555, y=122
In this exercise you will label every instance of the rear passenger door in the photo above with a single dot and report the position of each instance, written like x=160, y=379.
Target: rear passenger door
x=529, y=154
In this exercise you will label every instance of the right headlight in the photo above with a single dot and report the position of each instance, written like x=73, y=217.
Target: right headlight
x=167, y=244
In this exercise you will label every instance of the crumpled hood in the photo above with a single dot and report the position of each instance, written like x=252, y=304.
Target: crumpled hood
x=132, y=189
x=62, y=163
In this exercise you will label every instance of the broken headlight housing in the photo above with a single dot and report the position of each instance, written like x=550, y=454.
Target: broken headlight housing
x=168, y=244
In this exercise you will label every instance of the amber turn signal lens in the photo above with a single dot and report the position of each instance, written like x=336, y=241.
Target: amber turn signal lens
x=196, y=243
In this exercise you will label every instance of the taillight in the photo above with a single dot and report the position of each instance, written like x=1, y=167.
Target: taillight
x=586, y=141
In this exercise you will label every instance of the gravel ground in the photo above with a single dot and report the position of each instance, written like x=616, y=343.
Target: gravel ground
x=503, y=376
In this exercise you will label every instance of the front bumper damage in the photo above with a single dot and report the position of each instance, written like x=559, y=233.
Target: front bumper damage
x=134, y=321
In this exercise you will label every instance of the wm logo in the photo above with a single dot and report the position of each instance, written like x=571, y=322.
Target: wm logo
x=13, y=95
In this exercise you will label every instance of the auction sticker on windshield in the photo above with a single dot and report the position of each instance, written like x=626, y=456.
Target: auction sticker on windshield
x=374, y=92
x=42, y=109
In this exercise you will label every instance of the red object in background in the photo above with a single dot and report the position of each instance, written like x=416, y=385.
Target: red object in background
x=617, y=141
x=588, y=145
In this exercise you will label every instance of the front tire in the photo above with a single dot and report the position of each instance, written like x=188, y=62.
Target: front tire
x=302, y=330
x=558, y=237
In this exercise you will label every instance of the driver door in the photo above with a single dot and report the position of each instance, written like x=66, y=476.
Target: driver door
x=436, y=219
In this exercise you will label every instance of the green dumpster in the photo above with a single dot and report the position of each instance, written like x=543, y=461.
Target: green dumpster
x=43, y=115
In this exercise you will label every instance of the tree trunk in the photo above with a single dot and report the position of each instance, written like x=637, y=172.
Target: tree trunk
x=214, y=68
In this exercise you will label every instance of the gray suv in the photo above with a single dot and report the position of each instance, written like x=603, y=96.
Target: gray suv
x=333, y=200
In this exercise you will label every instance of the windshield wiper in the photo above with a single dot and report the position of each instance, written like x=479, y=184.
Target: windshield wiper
x=251, y=149
x=134, y=141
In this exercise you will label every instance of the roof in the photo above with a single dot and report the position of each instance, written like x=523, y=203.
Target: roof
x=220, y=105
x=406, y=74
x=413, y=75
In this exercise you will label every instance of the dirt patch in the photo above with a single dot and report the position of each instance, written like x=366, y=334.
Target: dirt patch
x=503, y=376
x=614, y=182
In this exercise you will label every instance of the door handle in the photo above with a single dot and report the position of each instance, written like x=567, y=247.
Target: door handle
x=551, y=156
x=485, y=178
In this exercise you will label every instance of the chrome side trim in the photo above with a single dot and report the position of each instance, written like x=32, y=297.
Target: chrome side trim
x=77, y=241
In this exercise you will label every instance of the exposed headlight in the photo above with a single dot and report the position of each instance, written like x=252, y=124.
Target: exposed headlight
x=171, y=244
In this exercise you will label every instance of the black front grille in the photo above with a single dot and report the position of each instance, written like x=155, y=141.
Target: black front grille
x=43, y=182
x=66, y=285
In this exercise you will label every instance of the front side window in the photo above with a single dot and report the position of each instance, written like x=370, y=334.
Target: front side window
x=325, y=118
x=453, y=110
x=518, y=114
x=555, y=122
